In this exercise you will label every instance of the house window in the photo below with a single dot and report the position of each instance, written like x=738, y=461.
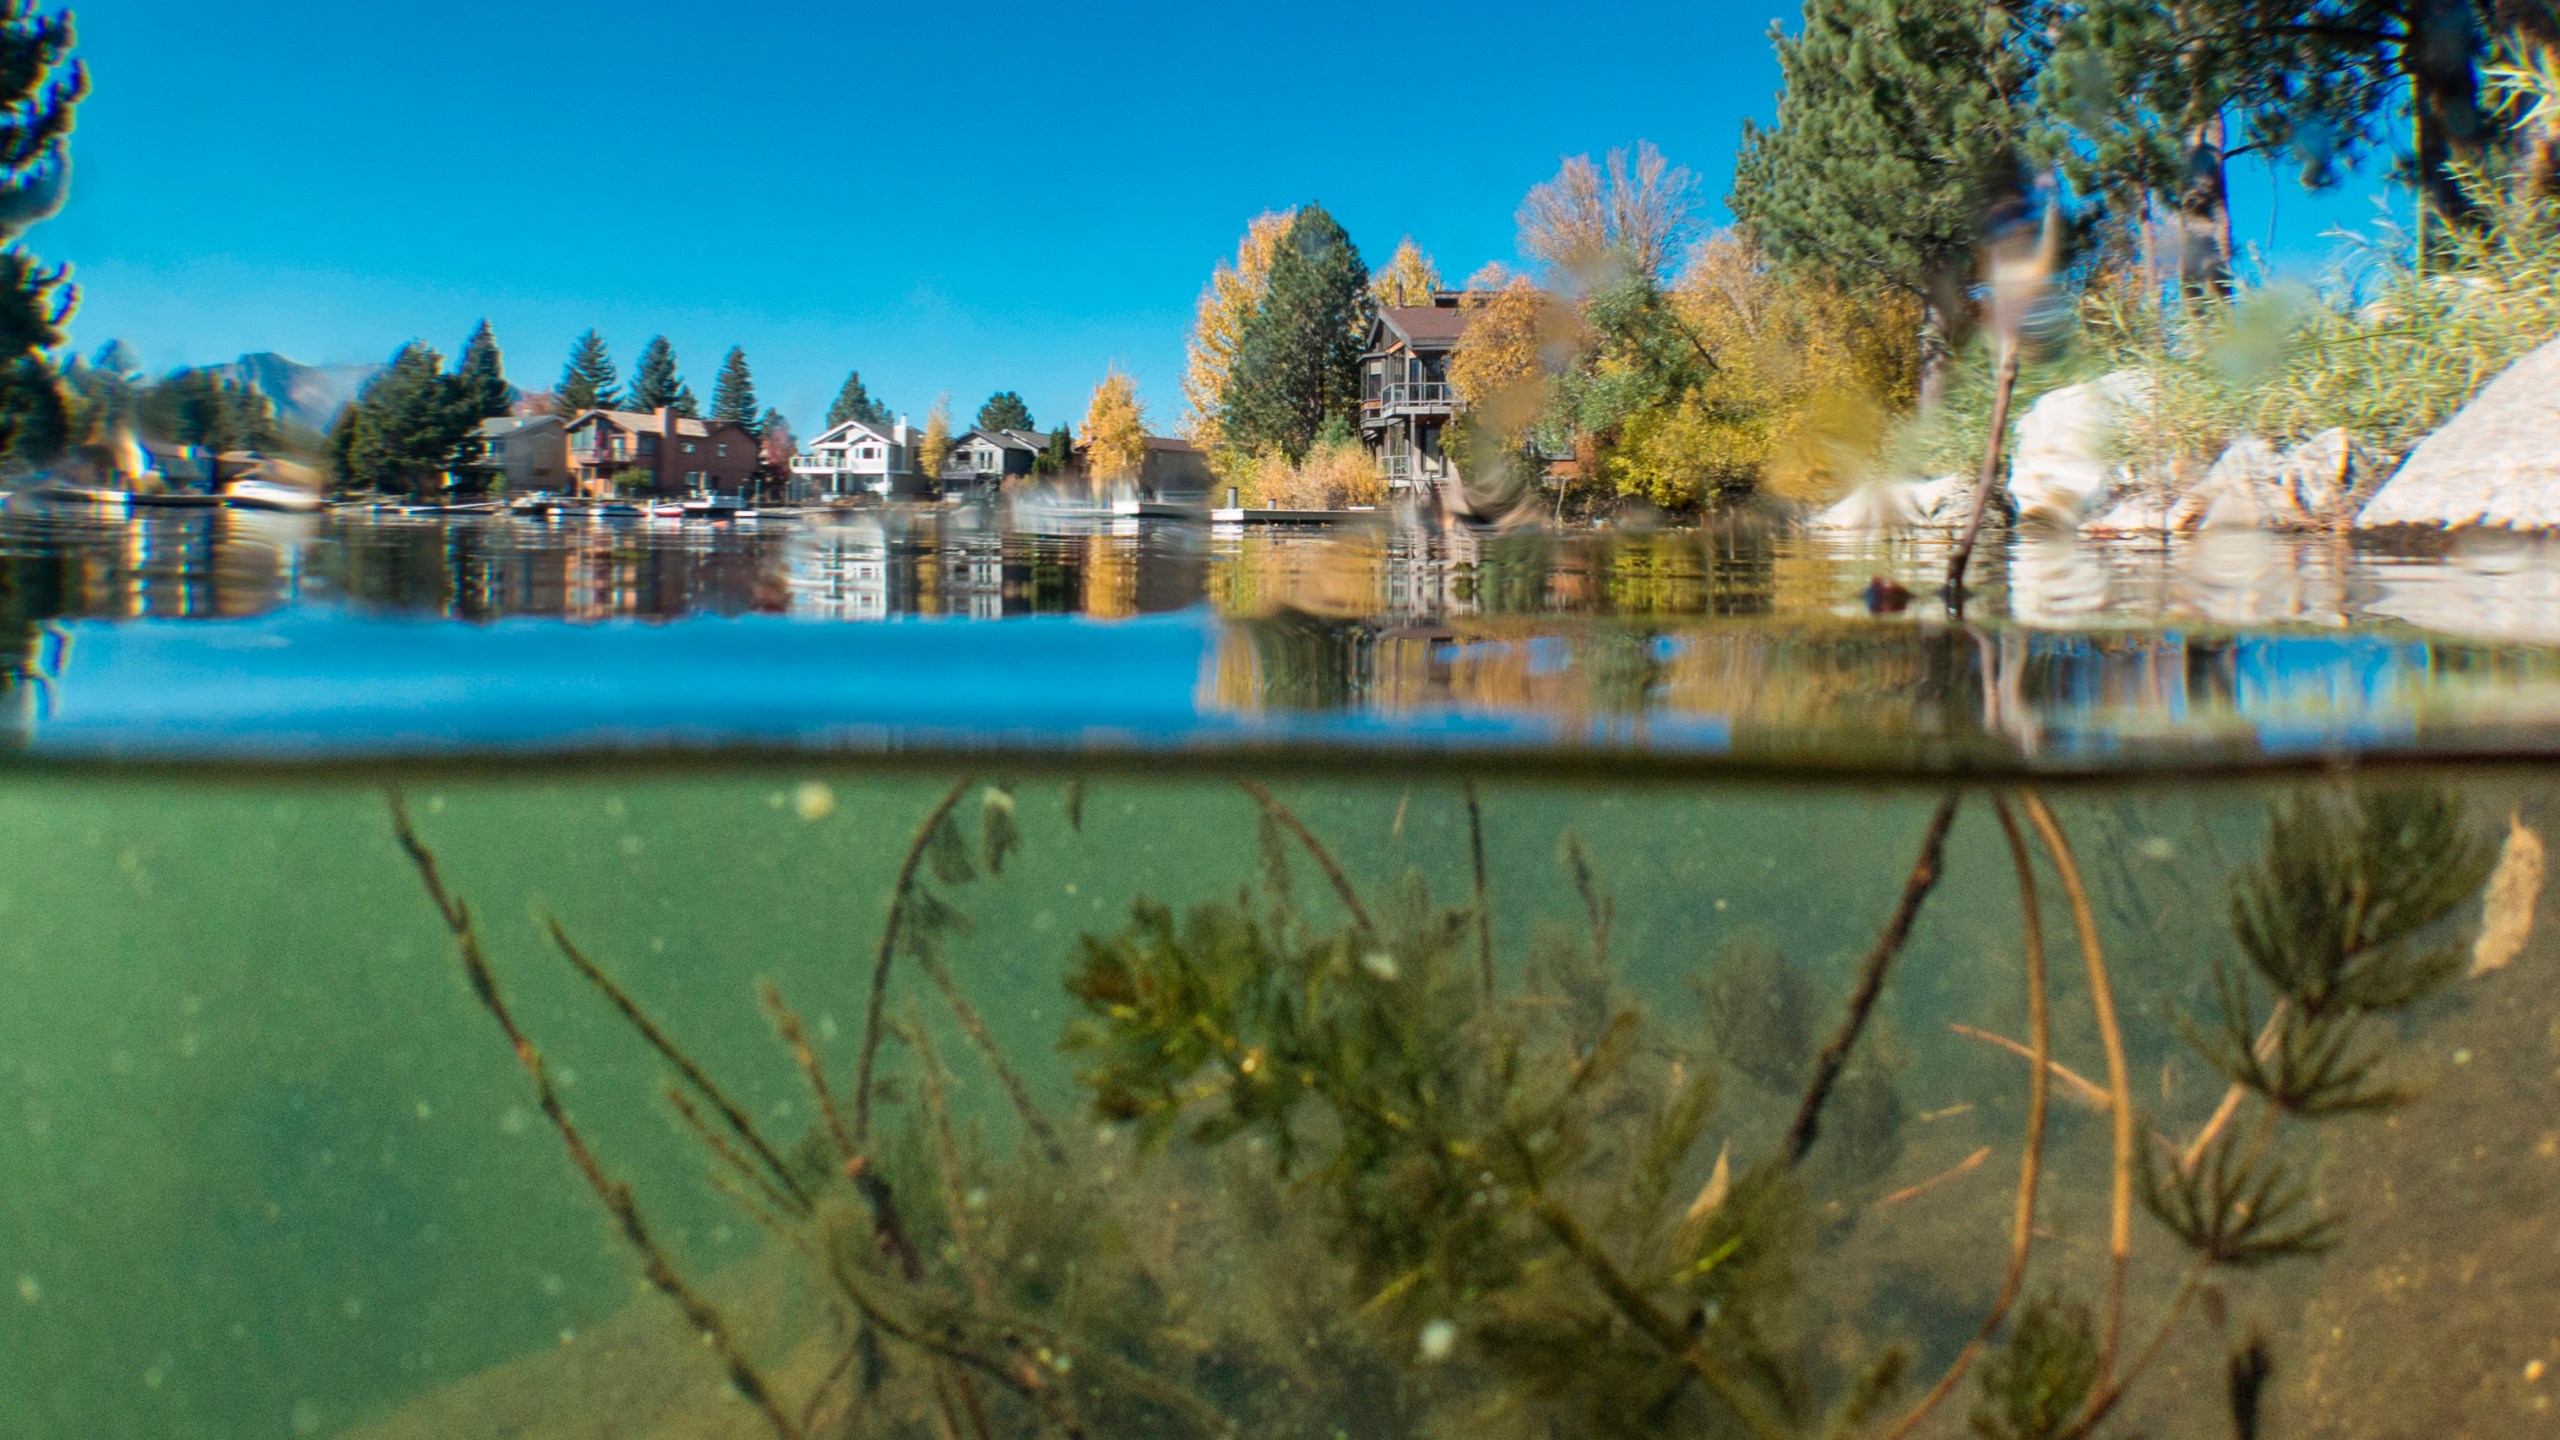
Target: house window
x=688, y=447
x=724, y=449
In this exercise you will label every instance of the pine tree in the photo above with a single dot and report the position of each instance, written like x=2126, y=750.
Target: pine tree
x=40, y=87
x=484, y=375
x=1004, y=410
x=1299, y=360
x=1901, y=125
x=655, y=383
x=733, y=397
x=855, y=403
x=408, y=426
x=590, y=380
x=1059, y=455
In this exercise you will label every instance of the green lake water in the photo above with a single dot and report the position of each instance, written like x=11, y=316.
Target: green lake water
x=271, y=1169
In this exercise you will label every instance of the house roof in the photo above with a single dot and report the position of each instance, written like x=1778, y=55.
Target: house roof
x=1426, y=327
x=1001, y=439
x=641, y=422
x=510, y=424
x=839, y=434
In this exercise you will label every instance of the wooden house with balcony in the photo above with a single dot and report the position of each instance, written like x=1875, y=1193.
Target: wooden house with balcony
x=659, y=452
x=1406, y=402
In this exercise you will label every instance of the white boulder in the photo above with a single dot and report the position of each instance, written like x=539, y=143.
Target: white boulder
x=1899, y=505
x=2495, y=463
x=2064, y=465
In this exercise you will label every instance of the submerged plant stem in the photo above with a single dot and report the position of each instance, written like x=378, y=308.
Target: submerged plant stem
x=1656, y=1324
x=2031, y=1164
x=731, y=1113
x=1289, y=821
x=2089, y=1091
x=974, y=1025
x=887, y=953
x=615, y=1195
x=1484, y=909
x=1827, y=1066
x=2119, y=1082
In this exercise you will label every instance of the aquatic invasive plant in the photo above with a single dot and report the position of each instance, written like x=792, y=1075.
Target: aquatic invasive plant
x=1340, y=1177
x=2341, y=916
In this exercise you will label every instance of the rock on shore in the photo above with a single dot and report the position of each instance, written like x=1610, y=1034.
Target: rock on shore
x=2495, y=463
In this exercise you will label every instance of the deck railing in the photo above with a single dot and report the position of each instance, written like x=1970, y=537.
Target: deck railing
x=1418, y=395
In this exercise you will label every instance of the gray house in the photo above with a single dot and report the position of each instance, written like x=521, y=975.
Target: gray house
x=981, y=460
x=523, y=453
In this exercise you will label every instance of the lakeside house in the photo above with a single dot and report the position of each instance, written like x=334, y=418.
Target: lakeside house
x=985, y=459
x=659, y=452
x=521, y=453
x=858, y=458
x=1406, y=401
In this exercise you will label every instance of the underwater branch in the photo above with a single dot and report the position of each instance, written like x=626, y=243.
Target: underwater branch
x=1915, y=890
x=615, y=1195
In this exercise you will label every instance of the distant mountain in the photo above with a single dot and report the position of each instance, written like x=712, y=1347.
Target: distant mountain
x=307, y=395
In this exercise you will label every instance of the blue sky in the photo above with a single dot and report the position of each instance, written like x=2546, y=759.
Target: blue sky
x=952, y=198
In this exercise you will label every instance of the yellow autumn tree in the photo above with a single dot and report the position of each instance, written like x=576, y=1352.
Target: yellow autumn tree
x=1115, y=431
x=1498, y=366
x=1234, y=290
x=935, y=447
x=1805, y=373
x=1408, y=277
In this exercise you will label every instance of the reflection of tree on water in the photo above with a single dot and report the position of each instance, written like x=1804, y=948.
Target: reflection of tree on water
x=1307, y=662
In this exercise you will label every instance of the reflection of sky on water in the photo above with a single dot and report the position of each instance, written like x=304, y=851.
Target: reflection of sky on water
x=320, y=684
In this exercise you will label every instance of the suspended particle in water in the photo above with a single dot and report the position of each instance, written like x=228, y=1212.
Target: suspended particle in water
x=2157, y=847
x=815, y=800
x=1381, y=964
x=30, y=1289
x=614, y=808
x=306, y=1417
x=554, y=1286
x=1439, y=1339
x=426, y=1111
x=435, y=804
x=514, y=1121
x=827, y=1025
x=633, y=845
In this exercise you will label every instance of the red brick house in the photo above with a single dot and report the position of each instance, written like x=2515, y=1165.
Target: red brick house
x=659, y=453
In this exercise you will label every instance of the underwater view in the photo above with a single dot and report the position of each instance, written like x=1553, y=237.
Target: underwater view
x=833, y=1101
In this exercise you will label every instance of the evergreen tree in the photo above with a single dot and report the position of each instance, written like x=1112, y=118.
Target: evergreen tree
x=40, y=87
x=1298, y=362
x=855, y=403
x=1901, y=125
x=202, y=407
x=654, y=381
x=590, y=380
x=408, y=426
x=1059, y=455
x=484, y=375
x=1004, y=410
x=733, y=397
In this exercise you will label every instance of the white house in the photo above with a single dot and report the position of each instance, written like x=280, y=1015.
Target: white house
x=859, y=458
